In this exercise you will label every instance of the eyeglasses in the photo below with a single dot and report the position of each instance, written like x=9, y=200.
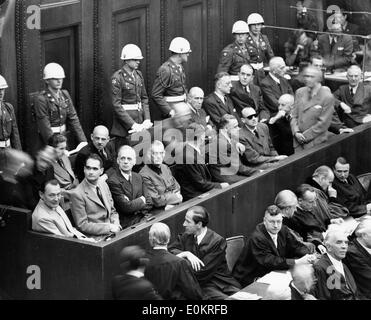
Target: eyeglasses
x=251, y=116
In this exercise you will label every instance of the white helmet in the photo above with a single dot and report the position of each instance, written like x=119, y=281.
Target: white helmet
x=180, y=45
x=53, y=71
x=131, y=52
x=255, y=18
x=240, y=26
x=3, y=83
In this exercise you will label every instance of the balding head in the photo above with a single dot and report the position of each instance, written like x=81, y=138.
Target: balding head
x=324, y=176
x=159, y=234
x=195, y=97
x=277, y=66
x=287, y=202
x=100, y=137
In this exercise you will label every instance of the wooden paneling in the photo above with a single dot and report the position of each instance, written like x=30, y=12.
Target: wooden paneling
x=75, y=269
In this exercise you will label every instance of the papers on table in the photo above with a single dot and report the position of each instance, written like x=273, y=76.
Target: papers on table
x=276, y=278
x=240, y=295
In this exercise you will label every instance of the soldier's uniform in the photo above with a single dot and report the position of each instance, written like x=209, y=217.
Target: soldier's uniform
x=53, y=115
x=130, y=103
x=169, y=86
x=232, y=58
x=9, y=135
x=260, y=53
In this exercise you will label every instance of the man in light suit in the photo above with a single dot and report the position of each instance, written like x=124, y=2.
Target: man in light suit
x=312, y=113
x=259, y=151
x=129, y=191
x=334, y=280
x=218, y=103
x=335, y=49
x=274, y=85
x=49, y=217
x=246, y=94
x=91, y=202
x=353, y=100
x=224, y=158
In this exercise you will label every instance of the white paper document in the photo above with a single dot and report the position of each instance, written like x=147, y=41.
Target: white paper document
x=281, y=279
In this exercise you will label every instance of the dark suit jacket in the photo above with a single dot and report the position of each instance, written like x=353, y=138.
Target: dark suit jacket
x=65, y=175
x=272, y=92
x=211, y=251
x=258, y=151
x=89, y=149
x=216, y=108
x=242, y=99
x=281, y=135
x=172, y=276
x=340, y=55
x=193, y=175
x=351, y=195
x=225, y=163
x=126, y=197
x=358, y=261
x=340, y=288
x=295, y=294
x=127, y=287
x=260, y=255
x=360, y=103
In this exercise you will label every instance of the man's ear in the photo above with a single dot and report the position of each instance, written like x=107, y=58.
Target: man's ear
x=41, y=194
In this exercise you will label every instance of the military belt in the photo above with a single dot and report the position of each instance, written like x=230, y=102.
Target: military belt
x=132, y=107
x=59, y=129
x=5, y=144
x=172, y=99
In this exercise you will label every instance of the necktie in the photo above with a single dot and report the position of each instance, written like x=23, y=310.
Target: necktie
x=60, y=162
x=275, y=241
x=99, y=194
x=256, y=134
x=351, y=92
x=103, y=154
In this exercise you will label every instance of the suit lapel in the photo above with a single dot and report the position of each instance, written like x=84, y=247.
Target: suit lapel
x=220, y=103
x=91, y=194
x=126, y=185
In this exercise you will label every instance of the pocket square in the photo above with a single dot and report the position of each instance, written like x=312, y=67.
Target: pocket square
x=317, y=107
x=340, y=48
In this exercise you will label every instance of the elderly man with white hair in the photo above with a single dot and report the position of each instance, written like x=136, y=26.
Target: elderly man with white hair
x=302, y=282
x=334, y=279
x=312, y=112
x=353, y=100
x=358, y=258
x=172, y=276
x=274, y=85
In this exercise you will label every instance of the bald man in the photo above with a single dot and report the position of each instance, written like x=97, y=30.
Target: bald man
x=334, y=279
x=100, y=144
x=353, y=100
x=312, y=112
x=279, y=126
x=358, y=258
x=130, y=194
x=195, y=98
x=275, y=85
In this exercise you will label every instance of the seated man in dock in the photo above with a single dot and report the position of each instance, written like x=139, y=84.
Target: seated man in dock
x=271, y=247
x=205, y=250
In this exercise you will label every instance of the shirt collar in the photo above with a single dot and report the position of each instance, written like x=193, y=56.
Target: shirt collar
x=367, y=249
x=221, y=97
x=135, y=273
x=274, y=77
x=194, y=147
x=354, y=89
x=154, y=168
x=225, y=135
x=338, y=265
x=201, y=235
x=159, y=248
x=125, y=175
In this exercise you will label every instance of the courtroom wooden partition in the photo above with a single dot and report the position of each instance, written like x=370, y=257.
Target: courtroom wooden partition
x=72, y=269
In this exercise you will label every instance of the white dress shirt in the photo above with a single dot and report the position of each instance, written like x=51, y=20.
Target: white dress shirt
x=201, y=236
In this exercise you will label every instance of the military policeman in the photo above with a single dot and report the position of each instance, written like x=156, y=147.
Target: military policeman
x=54, y=108
x=260, y=51
x=129, y=97
x=235, y=54
x=169, y=87
x=9, y=136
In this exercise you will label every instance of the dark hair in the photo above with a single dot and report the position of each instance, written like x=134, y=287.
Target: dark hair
x=94, y=156
x=56, y=139
x=220, y=75
x=52, y=182
x=200, y=214
x=302, y=189
x=224, y=120
x=341, y=160
x=272, y=210
x=132, y=258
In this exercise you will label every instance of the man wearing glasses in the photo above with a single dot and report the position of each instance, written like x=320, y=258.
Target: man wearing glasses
x=259, y=150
